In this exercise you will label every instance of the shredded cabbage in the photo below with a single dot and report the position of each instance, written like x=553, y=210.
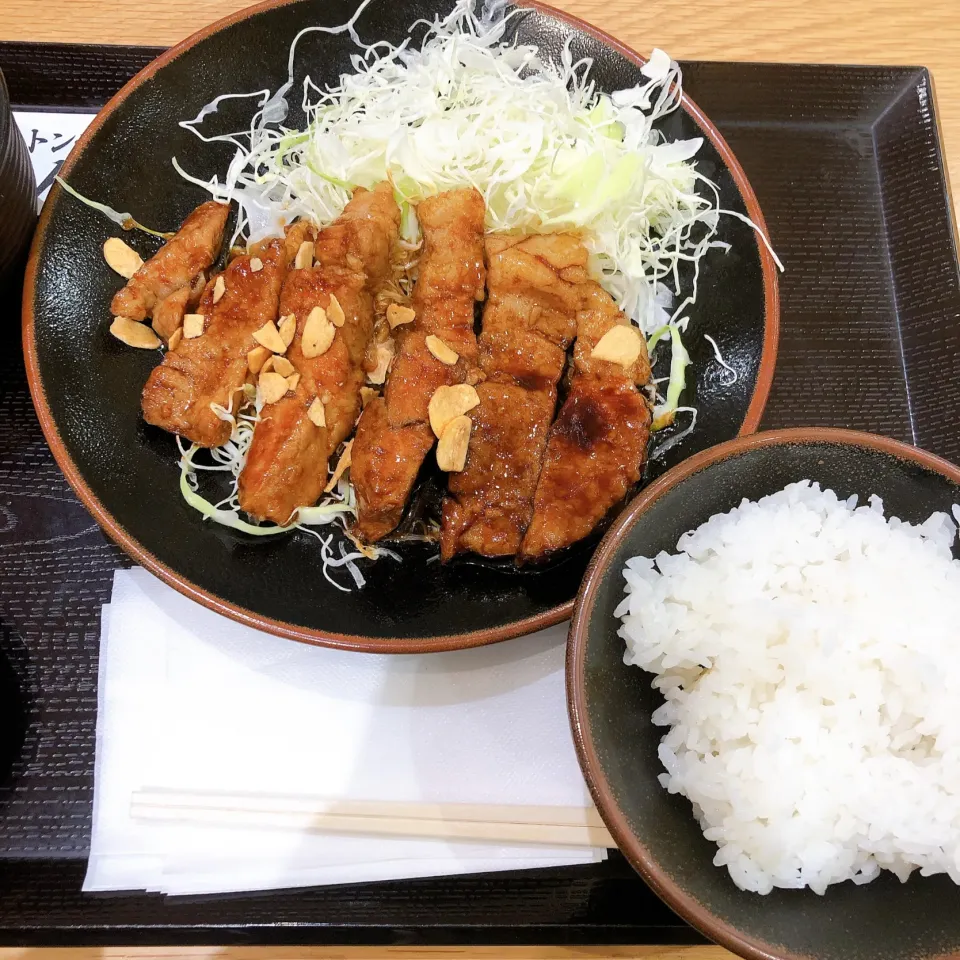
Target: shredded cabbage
x=125, y=220
x=231, y=457
x=664, y=413
x=659, y=449
x=536, y=138
x=228, y=518
x=734, y=376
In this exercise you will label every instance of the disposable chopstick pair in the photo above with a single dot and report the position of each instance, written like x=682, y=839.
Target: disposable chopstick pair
x=543, y=825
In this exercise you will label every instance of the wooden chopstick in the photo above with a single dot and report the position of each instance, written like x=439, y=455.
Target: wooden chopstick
x=413, y=810
x=544, y=825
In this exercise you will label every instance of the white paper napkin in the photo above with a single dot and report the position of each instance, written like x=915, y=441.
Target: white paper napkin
x=192, y=701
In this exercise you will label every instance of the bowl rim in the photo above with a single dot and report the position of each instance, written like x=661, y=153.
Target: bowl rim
x=628, y=843
x=139, y=553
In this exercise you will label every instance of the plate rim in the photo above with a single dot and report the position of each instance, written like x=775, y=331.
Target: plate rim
x=632, y=847
x=139, y=553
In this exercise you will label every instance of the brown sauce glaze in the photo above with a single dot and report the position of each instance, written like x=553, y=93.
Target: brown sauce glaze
x=581, y=422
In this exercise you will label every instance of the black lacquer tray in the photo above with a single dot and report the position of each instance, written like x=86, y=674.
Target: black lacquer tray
x=847, y=166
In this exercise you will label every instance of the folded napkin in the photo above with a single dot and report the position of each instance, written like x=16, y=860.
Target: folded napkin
x=193, y=702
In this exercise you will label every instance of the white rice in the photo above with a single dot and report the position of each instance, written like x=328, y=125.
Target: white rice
x=809, y=653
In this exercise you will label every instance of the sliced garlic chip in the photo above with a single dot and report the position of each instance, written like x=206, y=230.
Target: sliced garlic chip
x=335, y=312
x=287, y=329
x=452, y=447
x=304, y=255
x=121, y=258
x=620, y=344
x=448, y=403
x=316, y=413
x=318, y=334
x=272, y=387
x=256, y=359
x=282, y=366
x=268, y=336
x=397, y=315
x=192, y=325
x=441, y=351
x=134, y=334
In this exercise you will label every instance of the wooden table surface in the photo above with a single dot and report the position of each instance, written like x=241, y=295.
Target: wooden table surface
x=912, y=32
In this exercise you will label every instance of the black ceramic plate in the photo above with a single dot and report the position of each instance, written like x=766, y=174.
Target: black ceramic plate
x=611, y=703
x=86, y=386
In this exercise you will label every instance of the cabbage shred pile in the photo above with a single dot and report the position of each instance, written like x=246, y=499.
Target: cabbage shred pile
x=334, y=510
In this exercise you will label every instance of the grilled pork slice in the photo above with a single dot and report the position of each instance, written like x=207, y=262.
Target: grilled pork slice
x=189, y=252
x=522, y=358
x=364, y=236
x=539, y=278
x=417, y=372
x=211, y=368
x=395, y=433
x=598, y=444
x=492, y=499
x=449, y=282
x=294, y=235
x=286, y=465
x=451, y=273
x=595, y=454
x=385, y=463
x=168, y=314
x=599, y=316
x=536, y=285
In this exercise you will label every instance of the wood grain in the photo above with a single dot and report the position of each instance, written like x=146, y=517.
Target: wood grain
x=913, y=32
x=369, y=953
